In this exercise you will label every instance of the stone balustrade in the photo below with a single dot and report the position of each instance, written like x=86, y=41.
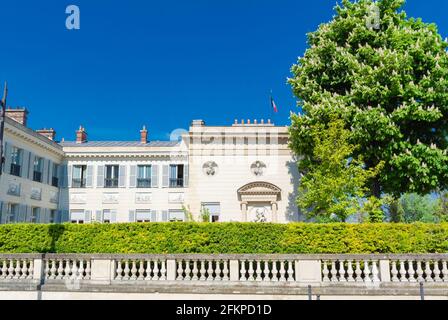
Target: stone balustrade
x=277, y=274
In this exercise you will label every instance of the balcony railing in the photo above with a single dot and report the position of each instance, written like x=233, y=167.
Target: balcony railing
x=111, y=183
x=78, y=183
x=143, y=183
x=15, y=170
x=37, y=176
x=177, y=183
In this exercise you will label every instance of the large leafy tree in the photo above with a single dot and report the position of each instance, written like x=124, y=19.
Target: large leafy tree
x=390, y=85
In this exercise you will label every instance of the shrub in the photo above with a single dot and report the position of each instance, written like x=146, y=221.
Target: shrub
x=224, y=238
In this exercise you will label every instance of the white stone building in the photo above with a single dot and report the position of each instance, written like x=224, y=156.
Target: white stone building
x=242, y=172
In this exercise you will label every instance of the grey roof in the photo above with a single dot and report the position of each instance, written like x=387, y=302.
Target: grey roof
x=120, y=144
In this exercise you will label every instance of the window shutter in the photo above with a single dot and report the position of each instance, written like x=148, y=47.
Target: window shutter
x=186, y=175
x=25, y=164
x=155, y=176
x=113, y=216
x=100, y=177
x=165, y=215
x=50, y=172
x=65, y=216
x=133, y=176
x=69, y=176
x=7, y=168
x=122, y=177
x=45, y=171
x=31, y=166
x=166, y=176
x=45, y=216
x=89, y=177
x=59, y=216
x=88, y=215
x=153, y=216
x=63, y=176
x=98, y=216
x=3, y=212
x=131, y=215
x=23, y=214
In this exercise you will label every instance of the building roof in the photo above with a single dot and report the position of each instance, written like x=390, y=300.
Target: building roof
x=96, y=144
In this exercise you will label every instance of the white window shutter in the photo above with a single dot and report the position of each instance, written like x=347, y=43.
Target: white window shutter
x=122, y=177
x=7, y=166
x=99, y=216
x=44, y=171
x=133, y=176
x=155, y=176
x=69, y=176
x=165, y=215
x=25, y=164
x=186, y=175
x=131, y=215
x=89, y=177
x=50, y=172
x=31, y=166
x=153, y=216
x=3, y=212
x=100, y=177
x=113, y=216
x=88, y=214
x=165, y=176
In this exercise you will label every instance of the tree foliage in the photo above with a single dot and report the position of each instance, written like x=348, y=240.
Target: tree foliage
x=389, y=85
x=334, y=183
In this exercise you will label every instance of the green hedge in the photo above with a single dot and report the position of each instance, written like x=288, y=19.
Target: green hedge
x=224, y=238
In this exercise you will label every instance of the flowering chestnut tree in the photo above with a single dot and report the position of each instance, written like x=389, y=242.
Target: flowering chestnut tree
x=388, y=81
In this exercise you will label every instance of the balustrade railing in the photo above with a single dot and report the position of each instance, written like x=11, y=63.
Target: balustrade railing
x=239, y=270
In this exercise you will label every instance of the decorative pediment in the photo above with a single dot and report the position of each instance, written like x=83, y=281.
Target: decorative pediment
x=260, y=189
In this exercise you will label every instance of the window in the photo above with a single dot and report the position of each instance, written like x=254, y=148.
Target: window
x=34, y=214
x=77, y=216
x=107, y=215
x=177, y=176
x=144, y=176
x=176, y=216
x=16, y=161
x=111, y=180
x=143, y=216
x=79, y=176
x=38, y=166
x=52, y=216
x=13, y=213
x=55, y=178
x=213, y=209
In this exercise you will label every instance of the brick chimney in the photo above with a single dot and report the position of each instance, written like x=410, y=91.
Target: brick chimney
x=48, y=133
x=19, y=115
x=144, y=135
x=81, y=135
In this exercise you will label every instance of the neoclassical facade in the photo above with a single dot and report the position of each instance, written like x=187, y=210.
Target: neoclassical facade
x=241, y=172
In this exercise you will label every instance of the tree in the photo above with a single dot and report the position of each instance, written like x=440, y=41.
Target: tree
x=333, y=184
x=389, y=85
x=419, y=208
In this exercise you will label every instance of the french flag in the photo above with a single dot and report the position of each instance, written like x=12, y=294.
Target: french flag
x=274, y=106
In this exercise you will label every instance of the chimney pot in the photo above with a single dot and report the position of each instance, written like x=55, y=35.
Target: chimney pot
x=81, y=135
x=18, y=114
x=255, y=121
x=48, y=133
x=144, y=135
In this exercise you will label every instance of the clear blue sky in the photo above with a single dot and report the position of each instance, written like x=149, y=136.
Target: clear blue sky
x=159, y=63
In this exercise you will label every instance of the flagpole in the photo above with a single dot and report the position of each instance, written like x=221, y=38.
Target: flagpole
x=2, y=125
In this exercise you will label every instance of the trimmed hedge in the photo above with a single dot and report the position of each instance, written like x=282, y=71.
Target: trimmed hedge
x=224, y=238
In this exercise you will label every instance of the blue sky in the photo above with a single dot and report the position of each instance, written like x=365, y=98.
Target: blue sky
x=159, y=63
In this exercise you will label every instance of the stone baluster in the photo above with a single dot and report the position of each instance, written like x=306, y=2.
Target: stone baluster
x=225, y=271
x=274, y=270
x=17, y=270
x=258, y=272
x=445, y=271
x=149, y=269
x=334, y=272
x=251, y=271
x=243, y=276
x=88, y=270
x=437, y=272
x=350, y=271
x=3, y=270
x=202, y=270
x=290, y=272
x=141, y=270
x=180, y=270
x=325, y=272
x=60, y=271
x=266, y=271
x=74, y=270
x=10, y=269
x=394, y=271
x=157, y=270
x=358, y=272
x=134, y=270
x=428, y=272
x=81, y=269
x=375, y=272
x=162, y=270
x=282, y=271
x=31, y=270
x=210, y=270
x=119, y=275
x=126, y=270
x=411, y=271
x=342, y=271
x=403, y=277
x=367, y=271
x=420, y=272
x=187, y=270
x=24, y=274
x=218, y=270
x=195, y=270
x=53, y=269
